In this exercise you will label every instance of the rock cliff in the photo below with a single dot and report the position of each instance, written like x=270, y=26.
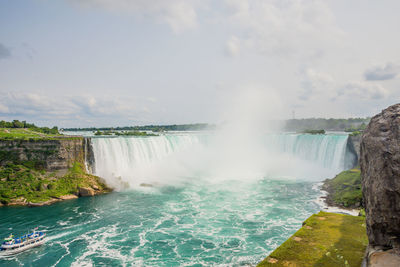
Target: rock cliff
x=51, y=154
x=380, y=170
x=46, y=170
x=353, y=144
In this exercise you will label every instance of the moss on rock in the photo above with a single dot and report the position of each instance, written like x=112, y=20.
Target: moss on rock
x=326, y=239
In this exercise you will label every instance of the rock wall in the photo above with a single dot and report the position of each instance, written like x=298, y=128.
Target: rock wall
x=89, y=155
x=51, y=154
x=353, y=145
x=351, y=156
x=380, y=170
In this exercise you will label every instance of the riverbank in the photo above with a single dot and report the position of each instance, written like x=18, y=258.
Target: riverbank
x=321, y=201
x=325, y=239
x=24, y=186
x=38, y=168
x=344, y=191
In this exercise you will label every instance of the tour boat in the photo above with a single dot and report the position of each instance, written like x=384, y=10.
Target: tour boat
x=13, y=245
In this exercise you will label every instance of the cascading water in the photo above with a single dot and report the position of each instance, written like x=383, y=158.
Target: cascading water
x=208, y=205
x=328, y=151
x=122, y=160
x=129, y=161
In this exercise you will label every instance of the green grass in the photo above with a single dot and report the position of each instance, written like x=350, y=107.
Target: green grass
x=34, y=185
x=346, y=188
x=326, y=239
x=355, y=133
x=7, y=134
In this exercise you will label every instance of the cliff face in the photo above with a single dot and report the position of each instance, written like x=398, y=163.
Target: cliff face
x=380, y=169
x=52, y=155
x=353, y=144
x=42, y=171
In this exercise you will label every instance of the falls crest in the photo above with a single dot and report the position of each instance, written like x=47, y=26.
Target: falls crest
x=129, y=161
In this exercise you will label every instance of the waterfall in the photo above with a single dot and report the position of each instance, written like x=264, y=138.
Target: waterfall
x=328, y=151
x=121, y=159
x=129, y=161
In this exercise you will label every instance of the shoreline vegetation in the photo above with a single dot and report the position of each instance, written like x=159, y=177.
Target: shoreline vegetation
x=17, y=134
x=24, y=179
x=328, y=239
x=153, y=128
x=321, y=131
x=293, y=125
x=344, y=190
x=25, y=185
x=325, y=239
x=124, y=133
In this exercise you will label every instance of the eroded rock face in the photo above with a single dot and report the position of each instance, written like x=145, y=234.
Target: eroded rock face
x=53, y=155
x=86, y=192
x=380, y=170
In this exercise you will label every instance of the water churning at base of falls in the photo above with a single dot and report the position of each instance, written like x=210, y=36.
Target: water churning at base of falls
x=203, y=203
x=128, y=162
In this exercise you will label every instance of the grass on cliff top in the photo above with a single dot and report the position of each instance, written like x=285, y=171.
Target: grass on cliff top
x=21, y=182
x=27, y=134
x=326, y=239
x=346, y=188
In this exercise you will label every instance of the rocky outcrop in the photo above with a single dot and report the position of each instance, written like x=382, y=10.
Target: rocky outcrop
x=47, y=170
x=86, y=192
x=89, y=154
x=353, y=145
x=380, y=170
x=51, y=154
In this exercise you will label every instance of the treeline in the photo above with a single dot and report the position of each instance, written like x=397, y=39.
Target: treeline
x=124, y=133
x=154, y=128
x=31, y=126
x=293, y=125
x=349, y=125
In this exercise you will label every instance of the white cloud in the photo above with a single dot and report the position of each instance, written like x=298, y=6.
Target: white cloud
x=180, y=15
x=293, y=27
x=316, y=83
x=321, y=86
x=279, y=27
x=232, y=47
x=363, y=90
x=72, y=109
x=4, y=109
x=385, y=72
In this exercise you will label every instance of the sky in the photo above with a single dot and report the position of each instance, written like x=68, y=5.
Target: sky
x=81, y=63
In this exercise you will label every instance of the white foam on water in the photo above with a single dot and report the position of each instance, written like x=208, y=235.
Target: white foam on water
x=320, y=200
x=128, y=162
x=98, y=244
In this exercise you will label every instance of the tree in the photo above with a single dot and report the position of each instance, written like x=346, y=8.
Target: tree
x=17, y=124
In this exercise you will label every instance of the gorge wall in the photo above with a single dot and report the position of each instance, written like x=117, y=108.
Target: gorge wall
x=50, y=154
x=353, y=145
x=380, y=167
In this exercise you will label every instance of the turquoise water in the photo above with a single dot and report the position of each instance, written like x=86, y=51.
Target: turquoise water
x=232, y=223
x=215, y=202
